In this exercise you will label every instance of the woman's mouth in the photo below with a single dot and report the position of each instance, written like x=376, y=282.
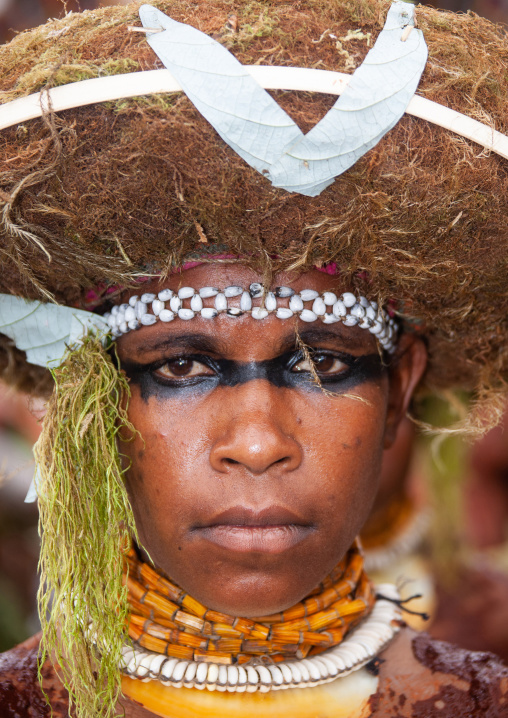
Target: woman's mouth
x=245, y=530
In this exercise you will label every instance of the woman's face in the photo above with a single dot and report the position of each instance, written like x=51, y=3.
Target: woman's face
x=249, y=482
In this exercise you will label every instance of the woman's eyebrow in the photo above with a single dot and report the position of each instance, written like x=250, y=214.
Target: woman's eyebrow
x=195, y=341
x=315, y=335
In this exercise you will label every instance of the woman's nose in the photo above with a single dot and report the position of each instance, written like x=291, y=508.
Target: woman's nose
x=256, y=434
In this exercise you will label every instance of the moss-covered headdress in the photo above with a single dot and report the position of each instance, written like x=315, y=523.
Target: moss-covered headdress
x=95, y=197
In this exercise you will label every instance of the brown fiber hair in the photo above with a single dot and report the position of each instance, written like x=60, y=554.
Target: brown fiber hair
x=96, y=196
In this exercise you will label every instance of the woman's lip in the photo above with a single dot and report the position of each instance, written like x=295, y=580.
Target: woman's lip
x=247, y=516
x=265, y=538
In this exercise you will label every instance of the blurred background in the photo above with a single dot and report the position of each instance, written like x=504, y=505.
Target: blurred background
x=465, y=549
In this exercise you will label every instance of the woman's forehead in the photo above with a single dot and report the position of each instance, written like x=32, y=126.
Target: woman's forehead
x=226, y=273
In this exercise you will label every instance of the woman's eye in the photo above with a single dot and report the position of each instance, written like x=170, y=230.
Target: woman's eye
x=182, y=368
x=323, y=364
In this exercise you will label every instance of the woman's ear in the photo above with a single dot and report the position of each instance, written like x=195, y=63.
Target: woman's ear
x=405, y=372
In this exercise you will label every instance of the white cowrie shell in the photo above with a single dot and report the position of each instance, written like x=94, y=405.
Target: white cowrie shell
x=148, y=319
x=166, y=316
x=306, y=678
x=223, y=676
x=140, y=309
x=295, y=673
x=133, y=664
x=115, y=309
x=307, y=295
x=155, y=665
x=242, y=675
x=252, y=677
x=319, y=307
x=157, y=307
x=348, y=657
x=283, y=292
x=370, y=313
x=234, y=312
x=358, y=311
x=350, y=321
x=270, y=302
x=190, y=673
x=127, y=655
x=349, y=299
x=295, y=303
x=307, y=316
x=232, y=676
x=233, y=291
x=178, y=672
x=365, y=324
x=374, y=305
x=186, y=292
x=284, y=313
x=339, y=309
x=330, y=666
x=145, y=665
x=133, y=324
x=213, y=673
x=208, y=313
x=207, y=292
x=201, y=673
x=165, y=295
x=314, y=672
x=286, y=672
x=130, y=314
x=245, y=302
x=175, y=303
x=186, y=314
x=265, y=678
x=259, y=313
x=376, y=328
x=256, y=290
x=276, y=674
x=221, y=303
x=147, y=298
x=123, y=328
x=196, y=303
x=123, y=307
x=329, y=298
x=338, y=661
x=329, y=319
x=133, y=300
x=364, y=302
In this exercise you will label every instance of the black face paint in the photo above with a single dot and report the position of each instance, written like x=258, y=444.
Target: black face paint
x=280, y=372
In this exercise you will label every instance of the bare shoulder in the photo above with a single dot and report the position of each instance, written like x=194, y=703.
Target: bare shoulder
x=20, y=693
x=421, y=678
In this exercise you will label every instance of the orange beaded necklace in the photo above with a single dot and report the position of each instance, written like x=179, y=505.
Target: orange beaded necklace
x=166, y=620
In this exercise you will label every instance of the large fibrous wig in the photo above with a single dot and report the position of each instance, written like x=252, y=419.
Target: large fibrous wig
x=96, y=196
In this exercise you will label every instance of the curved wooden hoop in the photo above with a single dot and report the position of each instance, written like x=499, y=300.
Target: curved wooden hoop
x=116, y=87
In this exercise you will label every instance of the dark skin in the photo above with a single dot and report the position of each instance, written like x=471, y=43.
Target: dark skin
x=248, y=483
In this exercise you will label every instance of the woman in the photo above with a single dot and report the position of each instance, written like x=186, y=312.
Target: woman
x=270, y=324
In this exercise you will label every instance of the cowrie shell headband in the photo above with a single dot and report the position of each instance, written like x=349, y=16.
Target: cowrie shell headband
x=256, y=301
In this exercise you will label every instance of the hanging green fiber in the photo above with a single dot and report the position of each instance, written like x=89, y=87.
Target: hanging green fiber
x=85, y=516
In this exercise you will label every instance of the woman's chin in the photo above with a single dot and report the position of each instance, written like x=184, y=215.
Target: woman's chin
x=250, y=597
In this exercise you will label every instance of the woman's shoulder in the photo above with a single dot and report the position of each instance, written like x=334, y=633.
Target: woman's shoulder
x=422, y=677
x=20, y=693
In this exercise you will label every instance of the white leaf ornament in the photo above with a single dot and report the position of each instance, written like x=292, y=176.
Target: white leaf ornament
x=252, y=123
x=372, y=103
x=246, y=117
x=44, y=331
